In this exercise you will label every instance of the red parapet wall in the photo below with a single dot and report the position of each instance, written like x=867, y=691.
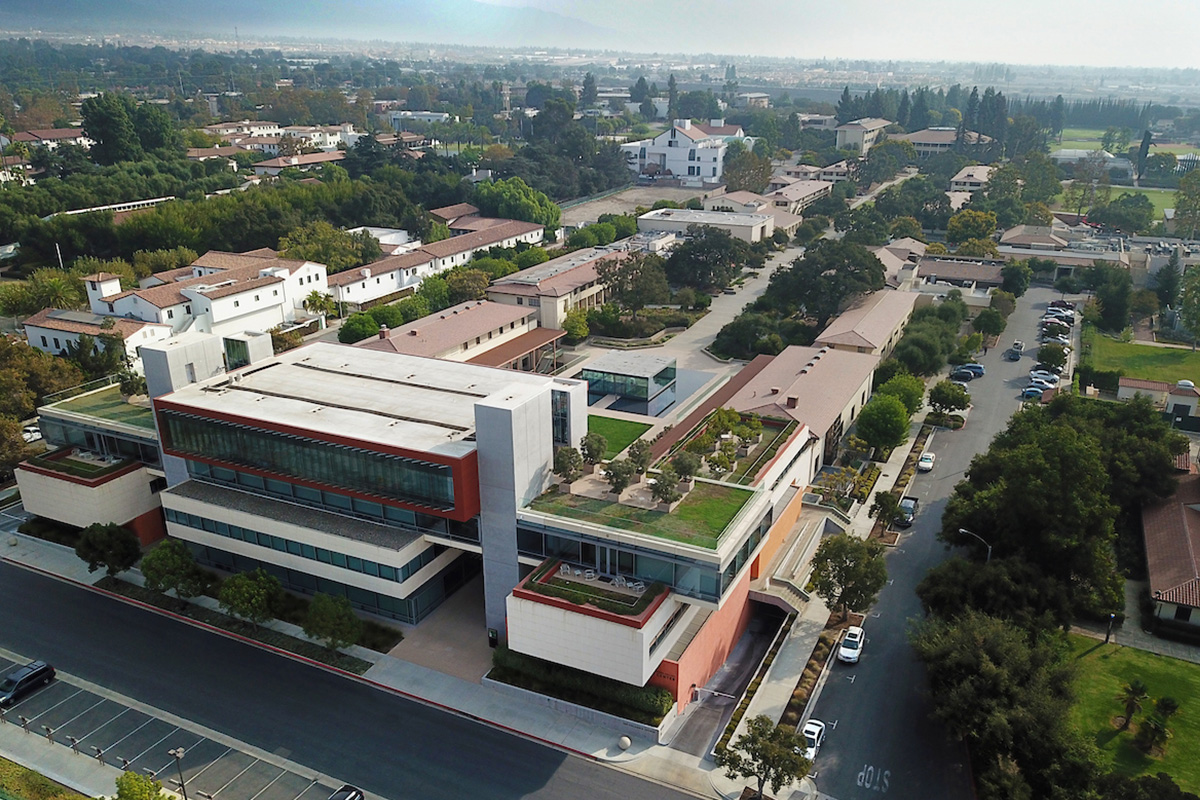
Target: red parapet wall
x=639, y=621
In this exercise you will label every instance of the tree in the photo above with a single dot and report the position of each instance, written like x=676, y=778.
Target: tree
x=635, y=281
x=620, y=474
x=1008, y=588
x=639, y=91
x=338, y=250
x=593, y=446
x=358, y=326
x=848, y=572
x=1016, y=276
x=467, y=284
x=171, y=567
x=1004, y=302
x=946, y=397
x=1068, y=284
x=773, y=755
x=568, y=464
x=666, y=485
x=1038, y=214
x=108, y=122
x=1114, y=294
x=1089, y=186
x=990, y=322
x=97, y=357
x=709, y=257
x=1133, y=694
x=136, y=786
x=672, y=98
x=747, y=172
x=978, y=248
x=907, y=227
x=640, y=455
x=1143, y=303
x=576, y=325
x=532, y=257
x=1041, y=178
x=512, y=198
x=109, y=546
x=587, y=96
x=908, y=389
x=155, y=130
x=686, y=465
x=1153, y=734
x=885, y=509
x=1052, y=355
x=250, y=596
x=883, y=422
x=331, y=621
x=317, y=302
x=1167, y=281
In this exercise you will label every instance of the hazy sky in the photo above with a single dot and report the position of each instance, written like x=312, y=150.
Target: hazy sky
x=1091, y=32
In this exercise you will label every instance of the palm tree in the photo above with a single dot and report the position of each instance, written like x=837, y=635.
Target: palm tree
x=1153, y=733
x=1166, y=706
x=318, y=303
x=1132, y=696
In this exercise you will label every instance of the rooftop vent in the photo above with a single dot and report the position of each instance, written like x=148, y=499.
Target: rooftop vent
x=1186, y=385
x=792, y=401
x=775, y=390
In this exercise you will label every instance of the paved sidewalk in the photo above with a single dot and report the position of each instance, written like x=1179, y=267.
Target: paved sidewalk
x=1131, y=633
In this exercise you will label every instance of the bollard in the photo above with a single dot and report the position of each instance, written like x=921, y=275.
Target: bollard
x=124, y=764
x=99, y=754
x=24, y=722
x=74, y=744
x=49, y=733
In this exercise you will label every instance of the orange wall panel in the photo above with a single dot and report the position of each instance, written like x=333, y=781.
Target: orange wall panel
x=778, y=534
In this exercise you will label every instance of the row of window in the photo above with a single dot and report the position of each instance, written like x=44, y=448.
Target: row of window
x=352, y=468
x=352, y=563
x=335, y=502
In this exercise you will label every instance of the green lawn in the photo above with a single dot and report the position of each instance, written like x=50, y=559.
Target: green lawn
x=1161, y=198
x=1095, y=134
x=107, y=404
x=1103, y=671
x=699, y=519
x=619, y=433
x=1168, y=364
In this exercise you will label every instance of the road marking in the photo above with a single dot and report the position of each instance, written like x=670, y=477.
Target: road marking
x=235, y=777
x=51, y=708
x=272, y=783
x=81, y=713
x=850, y=678
x=156, y=744
x=875, y=778
x=102, y=724
x=126, y=736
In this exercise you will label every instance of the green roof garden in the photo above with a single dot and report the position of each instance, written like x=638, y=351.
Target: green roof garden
x=699, y=519
x=108, y=404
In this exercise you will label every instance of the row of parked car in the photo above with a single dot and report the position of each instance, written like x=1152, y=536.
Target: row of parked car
x=1055, y=328
x=849, y=650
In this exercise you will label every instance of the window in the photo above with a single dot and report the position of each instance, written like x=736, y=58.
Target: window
x=520, y=302
x=236, y=303
x=256, y=298
x=275, y=293
x=44, y=342
x=190, y=371
x=170, y=313
x=1183, y=613
x=57, y=346
x=110, y=307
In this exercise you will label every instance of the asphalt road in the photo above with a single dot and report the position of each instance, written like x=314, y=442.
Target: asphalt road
x=385, y=744
x=881, y=739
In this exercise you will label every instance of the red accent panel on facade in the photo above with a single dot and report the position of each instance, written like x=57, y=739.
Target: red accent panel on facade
x=708, y=651
x=464, y=471
x=149, y=527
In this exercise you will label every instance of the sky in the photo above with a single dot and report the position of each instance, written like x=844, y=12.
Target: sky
x=1067, y=32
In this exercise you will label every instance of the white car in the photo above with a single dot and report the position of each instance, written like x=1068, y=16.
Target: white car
x=31, y=434
x=1048, y=377
x=925, y=462
x=1038, y=383
x=851, y=646
x=814, y=734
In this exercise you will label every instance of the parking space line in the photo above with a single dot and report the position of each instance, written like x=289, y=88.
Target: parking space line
x=126, y=736
x=228, y=750
x=86, y=710
x=272, y=783
x=172, y=761
x=51, y=708
x=151, y=747
x=235, y=777
x=113, y=718
x=306, y=788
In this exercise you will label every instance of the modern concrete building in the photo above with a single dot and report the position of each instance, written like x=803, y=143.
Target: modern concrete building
x=860, y=134
x=643, y=382
x=750, y=203
x=747, y=227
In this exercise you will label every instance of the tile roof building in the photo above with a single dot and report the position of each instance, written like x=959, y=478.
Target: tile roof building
x=931, y=141
x=1171, y=527
x=873, y=324
x=860, y=134
x=692, y=152
x=558, y=286
x=971, y=178
x=51, y=330
x=304, y=162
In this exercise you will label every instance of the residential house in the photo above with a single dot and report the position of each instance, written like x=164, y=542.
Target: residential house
x=304, y=162
x=860, y=134
x=50, y=138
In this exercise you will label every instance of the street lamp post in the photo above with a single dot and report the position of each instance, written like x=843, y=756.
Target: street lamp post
x=966, y=532
x=1108, y=633
x=178, y=754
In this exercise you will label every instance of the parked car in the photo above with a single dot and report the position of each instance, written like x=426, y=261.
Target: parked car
x=925, y=462
x=1055, y=322
x=814, y=735
x=908, y=511
x=1038, y=383
x=1031, y=393
x=1013, y=355
x=1067, y=304
x=348, y=792
x=1050, y=338
x=1044, y=375
x=31, y=434
x=852, y=644
x=21, y=681
x=1061, y=314
x=978, y=369
x=961, y=374
x=965, y=387
x=1057, y=370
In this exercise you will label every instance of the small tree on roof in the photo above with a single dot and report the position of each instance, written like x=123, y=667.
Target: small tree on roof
x=593, y=447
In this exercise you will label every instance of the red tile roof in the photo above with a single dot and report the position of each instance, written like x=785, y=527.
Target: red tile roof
x=451, y=213
x=1141, y=383
x=126, y=327
x=49, y=135
x=1172, y=532
x=484, y=238
x=380, y=267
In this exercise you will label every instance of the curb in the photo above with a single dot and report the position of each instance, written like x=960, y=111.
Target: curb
x=302, y=659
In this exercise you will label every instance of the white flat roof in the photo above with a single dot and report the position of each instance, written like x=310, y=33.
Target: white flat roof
x=393, y=399
x=691, y=217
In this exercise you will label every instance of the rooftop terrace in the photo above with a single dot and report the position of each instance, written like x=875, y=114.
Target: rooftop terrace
x=699, y=520
x=107, y=404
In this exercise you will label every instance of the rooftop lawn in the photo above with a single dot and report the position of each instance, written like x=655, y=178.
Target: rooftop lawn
x=107, y=404
x=1103, y=669
x=698, y=520
x=1170, y=364
x=620, y=433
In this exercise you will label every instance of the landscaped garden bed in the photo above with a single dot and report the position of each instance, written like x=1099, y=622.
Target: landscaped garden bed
x=545, y=581
x=21, y=783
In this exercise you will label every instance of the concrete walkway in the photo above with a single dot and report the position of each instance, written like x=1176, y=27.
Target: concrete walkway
x=1131, y=634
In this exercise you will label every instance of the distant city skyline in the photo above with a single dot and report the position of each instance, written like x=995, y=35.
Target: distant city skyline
x=1099, y=33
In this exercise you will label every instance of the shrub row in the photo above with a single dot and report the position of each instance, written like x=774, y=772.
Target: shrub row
x=865, y=483
x=645, y=704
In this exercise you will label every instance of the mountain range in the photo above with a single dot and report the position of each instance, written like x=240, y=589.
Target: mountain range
x=465, y=22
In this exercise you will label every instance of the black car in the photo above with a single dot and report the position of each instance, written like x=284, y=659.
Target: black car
x=348, y=792
x=23, y=680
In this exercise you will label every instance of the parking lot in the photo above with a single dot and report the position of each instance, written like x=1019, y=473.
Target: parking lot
x=132, y=739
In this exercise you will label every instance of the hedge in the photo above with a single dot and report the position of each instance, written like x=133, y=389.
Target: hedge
x=645, y=704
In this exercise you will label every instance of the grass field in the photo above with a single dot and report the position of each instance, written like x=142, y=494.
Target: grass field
x=1168, y=364
x=619, y=433
x=1094, y=134
x=1094, y=144
x=1103, y=671
x=1161, y=198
